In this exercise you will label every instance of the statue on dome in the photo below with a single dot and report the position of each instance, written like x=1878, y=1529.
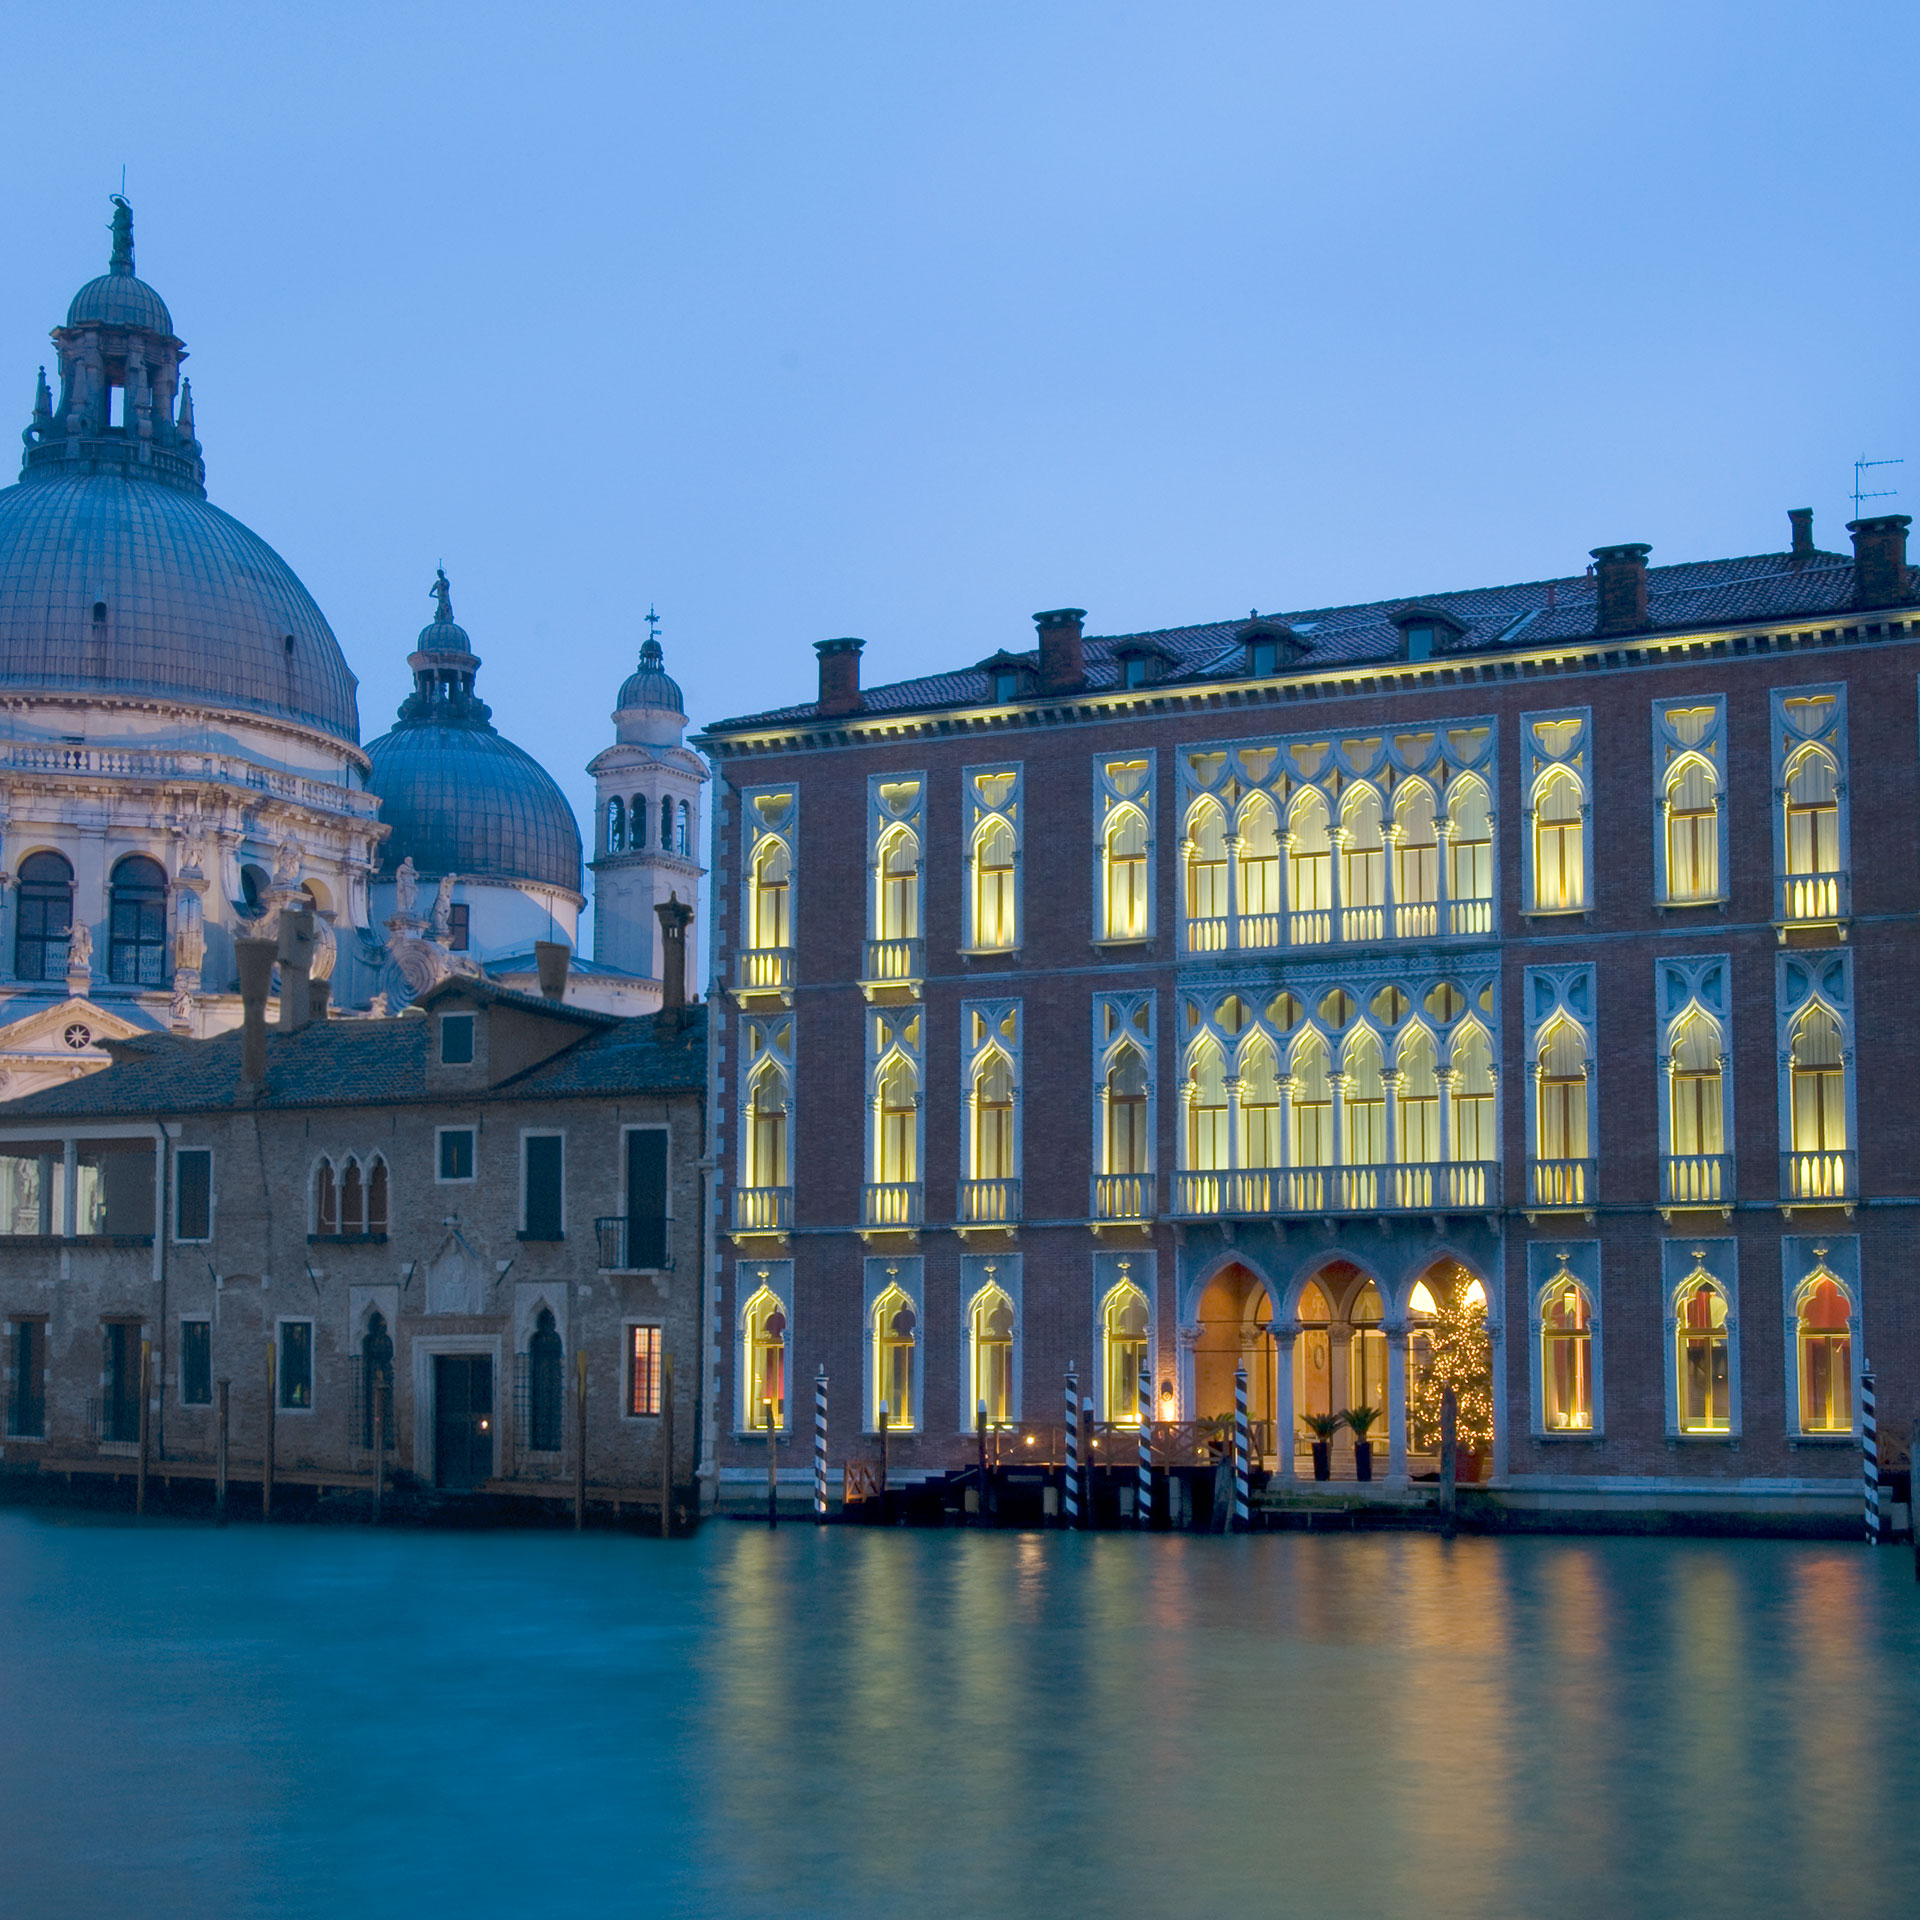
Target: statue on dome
x=443, y=910
x=443, y=593
x=406, y=886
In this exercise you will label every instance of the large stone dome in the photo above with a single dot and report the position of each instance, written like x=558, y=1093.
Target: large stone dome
x=116, y=585
x=117, y=577
x=457, y=797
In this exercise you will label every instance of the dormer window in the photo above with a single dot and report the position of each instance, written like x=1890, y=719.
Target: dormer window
x=1420, y=640
x=1425, y=631
x=1141, y=666
x=1006, y=686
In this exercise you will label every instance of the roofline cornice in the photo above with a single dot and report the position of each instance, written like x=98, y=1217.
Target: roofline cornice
x=1596, y=653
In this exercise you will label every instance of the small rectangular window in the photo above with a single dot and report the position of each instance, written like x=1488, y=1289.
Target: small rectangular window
x=296, y=1365
x=27, y=1385
x=196, y=1363
x=193, y=1193
x=456, y=1039
x=543, y=1209
x=113, y=1189
x=647, y=1197
x=457, y=928
x=456, y=1153
x=643, y=1370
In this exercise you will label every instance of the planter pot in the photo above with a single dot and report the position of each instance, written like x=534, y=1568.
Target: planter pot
x=1323, y=1460
x=1363, y=1459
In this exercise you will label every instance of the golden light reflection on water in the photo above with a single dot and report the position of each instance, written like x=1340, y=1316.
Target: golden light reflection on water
x=998, y=1723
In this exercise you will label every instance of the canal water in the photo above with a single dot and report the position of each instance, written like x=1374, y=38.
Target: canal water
x=322, y=1720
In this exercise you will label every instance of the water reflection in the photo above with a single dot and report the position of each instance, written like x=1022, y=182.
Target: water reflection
x=882, y=1723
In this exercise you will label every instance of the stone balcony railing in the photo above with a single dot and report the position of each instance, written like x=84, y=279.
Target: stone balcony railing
x=762, y=1209
x=1828, y=1177
x=1252, y=1193
x=987, y=1203
x=1122, y=1196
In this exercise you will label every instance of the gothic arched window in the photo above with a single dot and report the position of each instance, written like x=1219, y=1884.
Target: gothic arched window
x=544, y=1378
x=46, y=917
x=137, y=924
x=376, y=1382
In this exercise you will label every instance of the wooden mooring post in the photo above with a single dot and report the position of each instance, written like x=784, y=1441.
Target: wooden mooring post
x=220, y=1460
x=146, y=1427
x=666, y=1446
x=266, y=1466
x=1449, y=1458
x=773, y=1468
x=379, y=1445
x=580, y=1441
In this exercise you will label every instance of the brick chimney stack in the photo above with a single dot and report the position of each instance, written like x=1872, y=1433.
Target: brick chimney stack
x=1620, y=588
x=1063, y=660
x=839, y=677
x=1801, y=519
x=1880, y=560
x=254, y=959
x=552, y=962
x=295, y=950
x=674, y=914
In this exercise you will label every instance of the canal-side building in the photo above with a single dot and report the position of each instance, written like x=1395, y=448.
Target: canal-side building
x=469, y=1234
x=1257, y=991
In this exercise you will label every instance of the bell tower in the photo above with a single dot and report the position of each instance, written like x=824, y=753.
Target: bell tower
x=649, y=790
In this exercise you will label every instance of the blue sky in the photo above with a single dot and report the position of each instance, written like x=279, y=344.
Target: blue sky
x=903, y=321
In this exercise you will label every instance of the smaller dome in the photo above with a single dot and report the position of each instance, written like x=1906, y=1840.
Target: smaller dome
x=651, y=686
x=443, y=633
x=119, y=300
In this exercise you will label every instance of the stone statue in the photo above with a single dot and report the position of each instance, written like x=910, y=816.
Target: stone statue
x=443, y=593
x=443, y=910
x=286, y=864
x=406, y=886
x=326, y=949
x=189, y=932
x=80, y=948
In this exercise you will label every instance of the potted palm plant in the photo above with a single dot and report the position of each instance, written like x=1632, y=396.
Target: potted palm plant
x=1323, y=1426
x=1360, y=1419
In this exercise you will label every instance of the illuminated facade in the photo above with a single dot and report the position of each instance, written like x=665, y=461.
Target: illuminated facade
x=1271, y=991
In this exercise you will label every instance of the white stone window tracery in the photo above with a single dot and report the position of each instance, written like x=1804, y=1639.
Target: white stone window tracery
x=349, y=1196
x=1568, y=1364
x=1818, y=1122
x=896, y=855
x=1812, y=822
x=894, y=1346
x=1690, y=773
x=1308, y=840
x=1561, y=1042
x=1558, y=820
x=990, y=1118
x=995, y=810
x=1123, y=795
x=1695, y=1068
x=990, y=1303
x=769, y=863
x=764, y=1336
x=1820, y=1278
x=767, y=1103
x=1702, y=1291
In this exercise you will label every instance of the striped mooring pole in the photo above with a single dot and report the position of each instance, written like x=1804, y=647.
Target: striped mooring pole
x=1242, y=1446
x=1870, y=1454
x=1143, y=1493
x=819, y=1443
x=1071, y=1501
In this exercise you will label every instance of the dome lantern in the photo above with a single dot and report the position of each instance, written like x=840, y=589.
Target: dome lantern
x=650, y=707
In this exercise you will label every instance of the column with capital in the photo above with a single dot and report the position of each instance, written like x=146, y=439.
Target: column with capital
x=1233, y=842
x=1390, y=1084
x=1338, y=1084
x=1336, y=880
x=1396, y=1405
x=1232, y=1200
x=1186, y=1341
x=1285, y=1333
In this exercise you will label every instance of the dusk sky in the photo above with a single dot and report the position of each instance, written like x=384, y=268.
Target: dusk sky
x=801, y=321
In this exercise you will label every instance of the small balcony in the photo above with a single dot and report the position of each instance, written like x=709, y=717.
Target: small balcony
x=1696, y=1180
x=1560, y=1185
x=1811, y=900
x=1122, y=1196
x=987, y=1203
x=891, y=1206
x=634, y=1246
x=1828, y=1178
x=1255, y=1193
x=763, y=970
x=895, y=967
x=762, y=1209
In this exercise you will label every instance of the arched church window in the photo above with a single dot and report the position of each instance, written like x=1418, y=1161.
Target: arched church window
x=637, y=815
x=544, y=1377
x=616, y=826
x=137, y=924
x=46, y=917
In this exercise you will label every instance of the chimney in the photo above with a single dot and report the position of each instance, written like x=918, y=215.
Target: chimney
x=295, y=949
x=319, y=992
x=551, y=959
x=1063, y=662
x=1620, y=588
x=674, y=915
x=255, y=960
x=839, y=676
x=1880, y=560
x=1801, y=519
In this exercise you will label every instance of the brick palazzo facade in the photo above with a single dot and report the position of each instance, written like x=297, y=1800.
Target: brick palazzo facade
x=414, y=1227
x=1245, y=990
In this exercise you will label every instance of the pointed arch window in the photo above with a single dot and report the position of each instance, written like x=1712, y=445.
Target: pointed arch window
x=1566, y=1356
x=1207, y=863
x=1312, y=1104
x=45, y=917
x=1813, y=813
x=772, y=894
x=990, y=1324
x=1693, y=831
x=1261, y=1142
x=1470, y=842
x=1309, y=855
x=896, y=1157
x=1563, y=1093
x=1363, y=864
x=1123, y=1344
x=1473, y=1129
x=1703, y=1358
x=376, y=1384
x=1824, y=1343
x=1207, y=1150
x=1416, y=853
x=1418, y=1118
x=1819, y=1084
x=767, y=1107
x=1697, y=1112
x=894, y=1326
x=763, y=1339
x=137, y=924
x=545, y=1383
x=1259, y=867
x=993, y=887
x=1559, y=850
x=326, y=1200
x=1365, y=1103
x=993, y=1153
x=1126, y=875
x=899, y=903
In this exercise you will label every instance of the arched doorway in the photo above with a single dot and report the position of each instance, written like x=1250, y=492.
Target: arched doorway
x=1447, y=1342
x=1235, y=1312
x=1339, y=1361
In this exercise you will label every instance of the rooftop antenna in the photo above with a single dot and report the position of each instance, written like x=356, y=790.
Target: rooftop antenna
x=1860, y=468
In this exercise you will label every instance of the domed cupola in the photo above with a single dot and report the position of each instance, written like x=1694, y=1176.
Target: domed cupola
x=117, y=578
x=457, y=797
x=650, y=709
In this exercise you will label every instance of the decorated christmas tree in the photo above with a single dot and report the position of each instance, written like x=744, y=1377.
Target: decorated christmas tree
x=1460, y=1356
